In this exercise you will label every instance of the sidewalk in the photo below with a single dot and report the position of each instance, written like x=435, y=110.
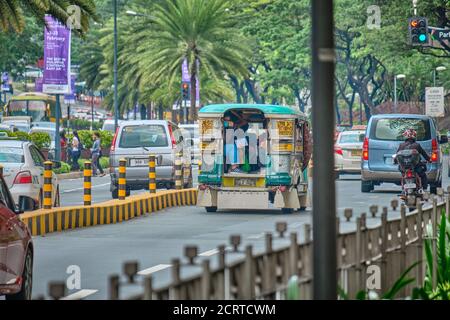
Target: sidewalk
x=75, y=175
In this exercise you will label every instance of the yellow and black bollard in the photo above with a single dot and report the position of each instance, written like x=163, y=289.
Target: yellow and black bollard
x=87, y=196
x=122, y=179
x=151, y=174
x=48, y=186
x=178, y=173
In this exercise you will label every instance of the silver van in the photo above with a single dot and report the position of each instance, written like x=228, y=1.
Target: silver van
x=134, y=141
x=382, y=139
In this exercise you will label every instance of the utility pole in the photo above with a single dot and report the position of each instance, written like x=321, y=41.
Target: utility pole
x=57, y=137
x=116, y=102
x=324, y=197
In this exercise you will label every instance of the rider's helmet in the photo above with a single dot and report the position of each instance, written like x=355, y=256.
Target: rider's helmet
x=410, y=134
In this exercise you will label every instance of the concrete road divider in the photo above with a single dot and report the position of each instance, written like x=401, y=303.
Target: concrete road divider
x=43, y=221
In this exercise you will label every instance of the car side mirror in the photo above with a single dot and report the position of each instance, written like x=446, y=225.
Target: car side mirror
x=159, y=159
x=27, y=204
x=443, y=139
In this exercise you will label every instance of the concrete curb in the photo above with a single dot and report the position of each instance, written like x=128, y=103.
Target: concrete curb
x=74, y=175
x=41, y=222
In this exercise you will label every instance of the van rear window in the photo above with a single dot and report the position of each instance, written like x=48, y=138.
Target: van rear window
x=143, y=136
x=392, y=129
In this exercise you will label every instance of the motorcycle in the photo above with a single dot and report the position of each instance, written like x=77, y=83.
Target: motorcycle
x=408, y=161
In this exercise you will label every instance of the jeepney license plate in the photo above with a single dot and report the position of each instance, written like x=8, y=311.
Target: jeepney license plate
x=246, y=182
x=138, y=162
x=409, y=186
x=356, y=153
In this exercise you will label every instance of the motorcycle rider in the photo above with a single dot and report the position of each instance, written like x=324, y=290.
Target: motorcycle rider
x=410, y=144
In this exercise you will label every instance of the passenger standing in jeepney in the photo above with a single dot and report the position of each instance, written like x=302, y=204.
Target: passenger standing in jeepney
x=235, y=142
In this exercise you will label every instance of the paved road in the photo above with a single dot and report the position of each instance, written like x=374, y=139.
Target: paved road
x=155, y=239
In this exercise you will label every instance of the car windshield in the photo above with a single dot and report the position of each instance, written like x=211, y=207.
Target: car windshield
x=108, y=127
x=11, y=155
x=35, y=109
x=143, y=136
x=352, y=138
x=392, y=128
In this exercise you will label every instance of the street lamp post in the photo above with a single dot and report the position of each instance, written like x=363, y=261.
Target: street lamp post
x=440, y=68
x=116, y=102
x=398, y=76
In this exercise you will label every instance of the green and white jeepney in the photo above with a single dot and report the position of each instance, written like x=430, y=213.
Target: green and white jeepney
x=282, y=139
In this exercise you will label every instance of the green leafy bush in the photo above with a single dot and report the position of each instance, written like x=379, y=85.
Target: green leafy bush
x=20, y=135
x=65, y=168
x=81, y=124
x=41, y=139
x=86, y=138
x=104, y=162
x=106, y=138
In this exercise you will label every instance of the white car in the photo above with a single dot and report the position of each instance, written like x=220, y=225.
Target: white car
x=192, y=136
x=348, y=151
x=23, y=171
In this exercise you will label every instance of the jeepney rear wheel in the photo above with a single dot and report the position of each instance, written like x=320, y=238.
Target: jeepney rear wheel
x=211, y=209
x=287, y=210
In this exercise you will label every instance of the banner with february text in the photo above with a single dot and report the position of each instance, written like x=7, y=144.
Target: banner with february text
x=56, y=57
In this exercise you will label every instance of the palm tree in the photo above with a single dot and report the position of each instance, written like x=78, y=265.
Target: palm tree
x=12, y=12
x=197, y=30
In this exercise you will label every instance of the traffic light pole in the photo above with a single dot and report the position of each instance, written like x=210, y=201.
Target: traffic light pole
x=323, y=124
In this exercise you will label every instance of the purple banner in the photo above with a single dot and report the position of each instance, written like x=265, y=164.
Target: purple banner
x=70, y=98
x=38, y=84
x=185, y=77
x=5, y=81
x=56, y=57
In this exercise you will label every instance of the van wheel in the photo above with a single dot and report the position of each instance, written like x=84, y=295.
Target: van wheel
x=41, y=199
x=27, y=280
x=287, y=210
x=115, y=193
x=366, y=186
x=433, y=189
x=211, y=209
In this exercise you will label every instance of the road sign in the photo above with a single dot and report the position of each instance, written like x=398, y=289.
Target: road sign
x=439, y=33
x=434, y=101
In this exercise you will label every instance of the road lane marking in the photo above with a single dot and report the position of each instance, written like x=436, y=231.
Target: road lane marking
x=154, y=269
x=209, y=253
x=78, y=189
x=296, y=224
x=81, y=294
x=256, y=236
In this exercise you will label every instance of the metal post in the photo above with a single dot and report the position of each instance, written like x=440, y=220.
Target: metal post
x=395, y=93
x=151, y=174
x=92, y=110
x=57, y=137
x=122, y=179
x=87, y=195
x=116, y=102
x=178, y=173
x=324, y=197
x=48, y=187
x=434, y=77
x=185, y=116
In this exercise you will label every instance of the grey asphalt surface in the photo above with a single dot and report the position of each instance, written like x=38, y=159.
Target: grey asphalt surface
x=155, y=239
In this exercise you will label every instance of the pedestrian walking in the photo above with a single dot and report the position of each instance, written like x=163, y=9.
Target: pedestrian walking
x=76, y=151
x=96, y=155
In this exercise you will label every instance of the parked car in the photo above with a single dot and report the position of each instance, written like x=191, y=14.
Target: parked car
x=23, y=170
x=108, y=125
x=382, y=139
x=16, y=123
x=348, y=151
x=16, y=246
x=191, y=136
x=135, y=141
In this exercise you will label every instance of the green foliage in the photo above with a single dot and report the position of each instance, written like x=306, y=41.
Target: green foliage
x=41, y=139
x=65, y=168
x=12, y=12
x=81, y=124
x=20, y=135
x=104, y=162
x=86, y=138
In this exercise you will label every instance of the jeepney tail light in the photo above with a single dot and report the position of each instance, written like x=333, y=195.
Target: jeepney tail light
x=113, y=144
x=365, y=153
x=23, y=177
x=338, y=150
x=435, y=151
x=172, y=137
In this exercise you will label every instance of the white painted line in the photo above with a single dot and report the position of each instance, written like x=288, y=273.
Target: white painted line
x=78, y=189
x=154, y=269
x=80, y=294
x=256, y=236
x=209, y=253
x=296, y=224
